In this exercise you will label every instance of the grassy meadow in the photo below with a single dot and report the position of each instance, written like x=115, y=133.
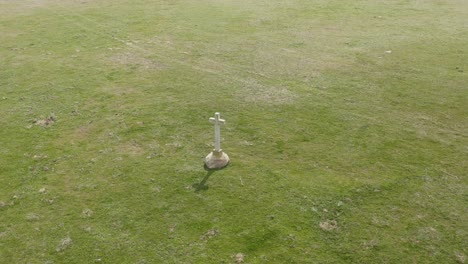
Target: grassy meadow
x=346, y=125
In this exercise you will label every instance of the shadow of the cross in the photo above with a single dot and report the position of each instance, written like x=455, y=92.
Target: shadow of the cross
x=201, y=186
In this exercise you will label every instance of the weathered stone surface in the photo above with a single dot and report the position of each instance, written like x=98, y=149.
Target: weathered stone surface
x=217, y=160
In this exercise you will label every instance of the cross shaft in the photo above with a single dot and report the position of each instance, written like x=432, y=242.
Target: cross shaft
x=217, y=121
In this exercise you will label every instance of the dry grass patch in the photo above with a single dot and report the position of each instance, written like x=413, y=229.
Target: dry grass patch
x=24, y=5
x=134, y=60
x=460, y=257
x=120, y=90
x=79, y=134
x=130, y=148
x=64, y=244
x=254, y=92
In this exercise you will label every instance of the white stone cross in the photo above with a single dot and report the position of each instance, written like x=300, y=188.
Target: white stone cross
x=217, y=121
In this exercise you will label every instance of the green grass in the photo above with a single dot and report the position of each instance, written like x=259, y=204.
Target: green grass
x=346, y=126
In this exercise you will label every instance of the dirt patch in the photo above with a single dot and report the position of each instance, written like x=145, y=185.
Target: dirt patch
x=239, y=258
x=329, y=225
x=87, y=213
x=45, y=122
x=209, y=234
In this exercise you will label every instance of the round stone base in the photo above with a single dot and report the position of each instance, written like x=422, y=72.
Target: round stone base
x=216, y=160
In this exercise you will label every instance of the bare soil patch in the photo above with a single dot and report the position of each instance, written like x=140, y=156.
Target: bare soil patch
x=45, y=122
x=329, y=225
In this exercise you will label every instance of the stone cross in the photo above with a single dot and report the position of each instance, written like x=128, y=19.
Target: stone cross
x=217, y=158
x=217, y=121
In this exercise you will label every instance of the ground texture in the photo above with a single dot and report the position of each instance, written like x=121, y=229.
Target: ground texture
x=346, y=125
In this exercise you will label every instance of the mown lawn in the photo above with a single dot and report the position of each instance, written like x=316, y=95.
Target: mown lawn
x=346, y=127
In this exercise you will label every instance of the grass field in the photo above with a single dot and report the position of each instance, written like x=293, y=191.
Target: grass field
x=346, y=127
